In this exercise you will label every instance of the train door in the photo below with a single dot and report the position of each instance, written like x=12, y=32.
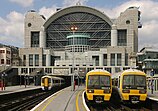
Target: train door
x=46, y=82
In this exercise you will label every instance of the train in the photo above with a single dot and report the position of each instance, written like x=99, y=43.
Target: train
x=131, y=86
x=98, y=86
x=50, y=81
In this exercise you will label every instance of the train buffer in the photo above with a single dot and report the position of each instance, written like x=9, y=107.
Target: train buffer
x=63, y=100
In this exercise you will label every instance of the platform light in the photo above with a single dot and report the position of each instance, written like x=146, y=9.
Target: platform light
x=73, y=29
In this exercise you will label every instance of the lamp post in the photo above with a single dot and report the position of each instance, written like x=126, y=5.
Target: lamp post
x=73, y=29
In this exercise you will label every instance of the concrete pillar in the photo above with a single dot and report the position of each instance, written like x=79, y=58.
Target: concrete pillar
x=108, y=60
x=27, y=60
x=33, y=59
x=42, y=38
x=115, y=59
x=114, y=35
x=19, y=71
x=101, y=60
x=48, y=59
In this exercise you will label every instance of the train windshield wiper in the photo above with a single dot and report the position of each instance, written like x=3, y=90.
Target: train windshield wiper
x=94, y=84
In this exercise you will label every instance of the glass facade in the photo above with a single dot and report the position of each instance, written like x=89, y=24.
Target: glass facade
x=36, y=60
x=112, y=59
x=30, y=59
x=122, y=38
x=104, y=59
x=96, y=58
x=118, y=59
x=151, y=64
x=78, y=41
x=44, y=60
x=126, y=59
x=24, y=60
x=98, y=30
x=34, y=39
x=2, y=61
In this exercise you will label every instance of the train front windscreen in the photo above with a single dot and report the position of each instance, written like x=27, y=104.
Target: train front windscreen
x=98, y=82
x=134, y=82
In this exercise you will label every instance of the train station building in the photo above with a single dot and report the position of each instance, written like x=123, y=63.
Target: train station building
x=81, y=37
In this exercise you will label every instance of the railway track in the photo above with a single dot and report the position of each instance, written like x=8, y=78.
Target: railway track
x=114, y=106
x=26, y=102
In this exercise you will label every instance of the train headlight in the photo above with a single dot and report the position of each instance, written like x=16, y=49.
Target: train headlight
x=142, y=91
x=107, y=91
x=90, y=91
x=126, y=91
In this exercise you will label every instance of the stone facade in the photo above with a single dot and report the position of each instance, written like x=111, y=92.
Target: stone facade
x=117, y=54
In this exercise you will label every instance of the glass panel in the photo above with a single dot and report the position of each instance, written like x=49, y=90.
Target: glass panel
x=128, y=80
x=104, y=80
x=36, y=60
x=122, y=37
x=118, y=59
x=140, y=80
x=34, y=39
x=93, y=80
x=44, y=60
x=112, y=60
x=95, y=26
x=30, y=60
x=134, y=82
x=126, y=59
x=98, y=82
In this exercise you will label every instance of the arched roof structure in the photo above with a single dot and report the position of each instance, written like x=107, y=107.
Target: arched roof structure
x=88, y=20
x=74, y=9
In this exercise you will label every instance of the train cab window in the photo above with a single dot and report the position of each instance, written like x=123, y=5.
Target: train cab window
x=93, y=80
x=128, y=80
x=134, y=81
x=105, y=80
x=140, y=80
x=49, y=80
x=56, y=81
x=98, y=82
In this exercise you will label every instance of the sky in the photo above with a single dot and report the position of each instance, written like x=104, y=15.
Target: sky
x=12, y=13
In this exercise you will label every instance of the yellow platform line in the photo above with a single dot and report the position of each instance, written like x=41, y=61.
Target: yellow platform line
x=77, y=107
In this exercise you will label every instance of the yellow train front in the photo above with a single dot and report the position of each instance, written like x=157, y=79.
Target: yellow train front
x=132, y=86
x=50, y=81
x=98, y=86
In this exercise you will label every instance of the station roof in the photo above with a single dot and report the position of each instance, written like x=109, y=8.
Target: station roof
x=74, y=9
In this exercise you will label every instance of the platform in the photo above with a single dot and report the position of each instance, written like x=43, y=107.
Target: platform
x=153, y=96
x=14, y=89
x=63, y=100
